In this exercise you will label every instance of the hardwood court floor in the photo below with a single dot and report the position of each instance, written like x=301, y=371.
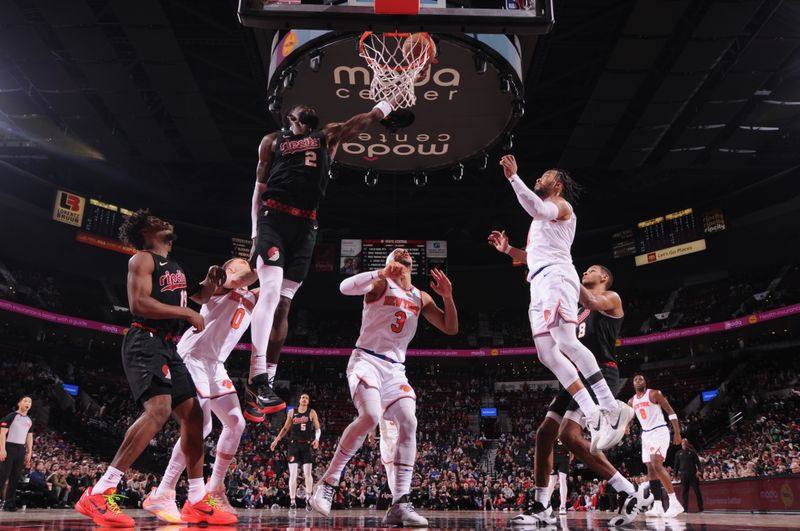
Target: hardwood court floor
x=283, y=520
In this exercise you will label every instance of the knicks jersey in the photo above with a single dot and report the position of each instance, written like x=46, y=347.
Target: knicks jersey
x=227, y=316
x=649, y=413
x=388, y=324
x=549, y=243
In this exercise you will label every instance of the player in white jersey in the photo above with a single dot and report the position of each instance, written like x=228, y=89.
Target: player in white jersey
x=377, y=377
x=553, y=310
x=227, y=315
x=650, y=406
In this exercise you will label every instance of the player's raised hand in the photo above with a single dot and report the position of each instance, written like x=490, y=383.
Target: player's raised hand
x=393, y=270
x=216, y=275
x=499, y=240
x=441, y=284
x=509, y=164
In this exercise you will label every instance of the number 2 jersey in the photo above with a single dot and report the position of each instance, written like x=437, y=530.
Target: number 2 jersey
x=226, y=317
x=389, y=323
x=298, y=173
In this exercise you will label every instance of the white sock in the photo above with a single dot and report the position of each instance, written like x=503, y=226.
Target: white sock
x=585, y=402
x=541, y=496
x=173, y=472
x=308, y=476
x=402, y=482
x=673, y=497
x=272, y=368
x=621, y=484
x=604, y=395
x=217, y=480
x=109, y=480
x=270, y=279
x=293, y=481
x=197, y=490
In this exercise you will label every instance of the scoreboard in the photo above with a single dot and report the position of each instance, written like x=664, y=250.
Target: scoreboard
x=104, y=219
x=667, y=236
x=370, y=255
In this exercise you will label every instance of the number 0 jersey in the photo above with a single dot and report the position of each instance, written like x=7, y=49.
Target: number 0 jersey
x=226, y=316
x=649, y=413
x=389, y=323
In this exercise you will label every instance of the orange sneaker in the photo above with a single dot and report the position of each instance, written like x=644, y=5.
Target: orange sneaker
x=103, y=508
x=208, y=511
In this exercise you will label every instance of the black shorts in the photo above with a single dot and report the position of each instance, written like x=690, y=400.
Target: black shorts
x=561, y=464
x=564, y=402
x=286, y=241
x=153, y=367
x=300, y=453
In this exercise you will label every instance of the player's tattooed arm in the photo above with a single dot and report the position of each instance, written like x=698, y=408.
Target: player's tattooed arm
x=335, y=133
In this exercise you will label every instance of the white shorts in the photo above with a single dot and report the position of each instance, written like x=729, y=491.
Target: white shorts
x=554, y=298
x=387, y=377
x=210, y=377
x=655, y=442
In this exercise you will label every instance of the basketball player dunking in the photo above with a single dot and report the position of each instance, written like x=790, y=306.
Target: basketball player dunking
x=377, y=377
x=157, y=297
x=227, y=316
x=553, y=309
x=298, y=425
x=650, y=406
x=291, y=179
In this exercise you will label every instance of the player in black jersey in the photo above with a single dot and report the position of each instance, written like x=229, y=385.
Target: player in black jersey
x=158, y=293
x=291, y=180
x=600, y=320
x=301, y=440
x=562, y=457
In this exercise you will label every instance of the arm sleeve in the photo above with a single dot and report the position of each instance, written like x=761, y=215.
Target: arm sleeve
x=359, y=284
x=257, y=191
x=532, y=203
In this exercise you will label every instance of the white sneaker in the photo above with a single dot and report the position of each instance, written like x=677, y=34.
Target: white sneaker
x=632, y=506
x=164, y=507
x=656, y=510
x=322, y=499
x=613, y=430
x=562, y=510
x=675, y=508
x=220, y=496
x=537, y=515
x=596, y=424
x=403, y=514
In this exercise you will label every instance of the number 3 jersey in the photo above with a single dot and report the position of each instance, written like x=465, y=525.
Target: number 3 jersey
x=389, y=323
x=226, y=317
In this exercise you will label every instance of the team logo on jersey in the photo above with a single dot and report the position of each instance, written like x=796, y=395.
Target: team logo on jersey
x=172, y=281
x=288, y=147
x=405, y=388
x=547, y=314
x=273, y=254
x=391, y=300
x=228, y=384
x=165, y=371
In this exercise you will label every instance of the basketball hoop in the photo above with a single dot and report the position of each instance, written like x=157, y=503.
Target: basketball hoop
x=397, y=61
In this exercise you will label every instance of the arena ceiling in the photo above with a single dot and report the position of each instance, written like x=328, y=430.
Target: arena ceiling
x=653, y=104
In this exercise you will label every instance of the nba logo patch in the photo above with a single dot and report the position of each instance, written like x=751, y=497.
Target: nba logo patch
x=165, y=371
x=273, y=254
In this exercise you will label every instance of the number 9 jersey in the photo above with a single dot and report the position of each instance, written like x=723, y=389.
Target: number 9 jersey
x=389, y=323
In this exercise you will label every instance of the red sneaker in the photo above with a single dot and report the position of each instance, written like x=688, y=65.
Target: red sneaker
x=103, y=508
x=208, y=511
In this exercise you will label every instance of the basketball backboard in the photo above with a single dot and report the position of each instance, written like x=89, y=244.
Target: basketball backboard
x=518, y=17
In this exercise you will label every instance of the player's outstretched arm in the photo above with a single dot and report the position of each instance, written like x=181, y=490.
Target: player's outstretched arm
x=554, y=208
x=445, y=320
x=284, y=430
x=336, y=133
x=499, y=241
x=140, y=284
x=660, y=399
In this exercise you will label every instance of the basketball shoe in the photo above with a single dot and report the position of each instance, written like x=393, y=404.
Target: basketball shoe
x=163, y=507
x=104, y=508
x=206, y=511
x=259, y=395
x=322, y=499
x=536, y=515
x=403, y=514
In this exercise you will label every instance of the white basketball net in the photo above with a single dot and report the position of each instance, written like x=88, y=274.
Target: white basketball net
x=394, y=69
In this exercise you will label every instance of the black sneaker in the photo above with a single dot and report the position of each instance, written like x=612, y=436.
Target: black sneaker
x=253, y=413
x=293, y=506
x=536, y=515
x=260, y=395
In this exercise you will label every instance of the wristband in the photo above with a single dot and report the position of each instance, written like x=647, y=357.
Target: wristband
x=317, y=434
x=385, y=107
x=673, y=417
x=507, y=250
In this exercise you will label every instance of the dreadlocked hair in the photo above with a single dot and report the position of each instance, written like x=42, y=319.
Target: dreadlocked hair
x=131, y=230
x=571, y=190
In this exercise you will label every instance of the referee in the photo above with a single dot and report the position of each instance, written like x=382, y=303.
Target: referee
x=16, y=446
x=689, y=468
